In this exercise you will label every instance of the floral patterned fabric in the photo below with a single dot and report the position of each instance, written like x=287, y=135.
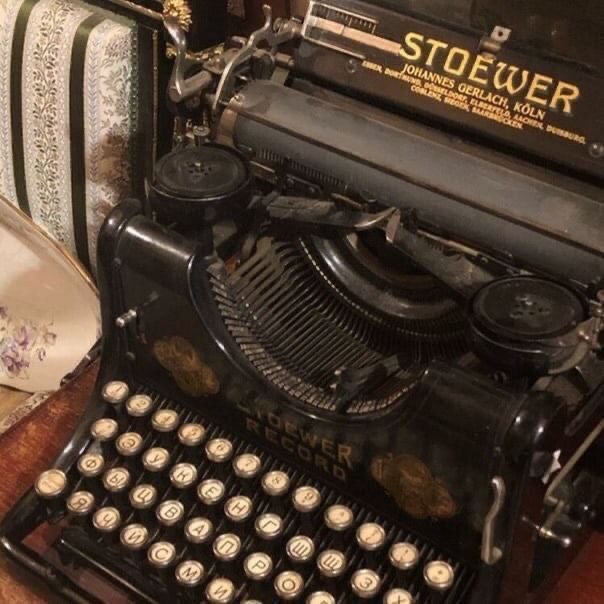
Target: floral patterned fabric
x=110, y=115
x=22, y=342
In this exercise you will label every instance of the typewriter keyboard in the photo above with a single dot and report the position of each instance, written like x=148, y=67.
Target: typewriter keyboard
x=175, y=508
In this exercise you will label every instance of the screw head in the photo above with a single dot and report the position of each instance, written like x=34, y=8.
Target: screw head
x=352, y=65
x=596, y=150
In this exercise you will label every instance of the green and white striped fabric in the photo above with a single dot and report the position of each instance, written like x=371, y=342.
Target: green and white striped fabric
x=68, y=115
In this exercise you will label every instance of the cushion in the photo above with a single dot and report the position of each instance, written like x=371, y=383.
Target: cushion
x=68, y=115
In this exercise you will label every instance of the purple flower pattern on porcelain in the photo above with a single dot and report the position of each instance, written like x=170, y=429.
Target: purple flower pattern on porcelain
x=21, y=342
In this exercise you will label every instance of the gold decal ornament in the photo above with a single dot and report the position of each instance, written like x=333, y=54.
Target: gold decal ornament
x=191, y=374
x=179, y=10
x=416, y=491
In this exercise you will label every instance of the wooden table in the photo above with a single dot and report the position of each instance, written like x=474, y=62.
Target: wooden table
x=28, y=448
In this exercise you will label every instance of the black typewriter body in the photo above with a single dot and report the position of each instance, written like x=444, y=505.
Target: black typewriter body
x=398, y=322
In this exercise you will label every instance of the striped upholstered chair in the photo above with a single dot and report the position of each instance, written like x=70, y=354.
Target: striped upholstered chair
x=82, y=112
x=69, y=115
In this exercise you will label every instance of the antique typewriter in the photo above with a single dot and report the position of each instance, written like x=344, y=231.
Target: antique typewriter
x=353, y=335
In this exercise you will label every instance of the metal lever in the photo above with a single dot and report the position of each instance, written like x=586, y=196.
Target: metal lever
x=545, y=530
x=126, y=318
x=181, y=88
x=319, y=213
x=490, y=553
x=462, y=276
x=286, y=32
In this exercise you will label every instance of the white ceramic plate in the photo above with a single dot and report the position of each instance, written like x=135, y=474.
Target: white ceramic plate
x=49, y=309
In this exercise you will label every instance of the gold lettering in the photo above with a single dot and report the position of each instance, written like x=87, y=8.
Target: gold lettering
x=539, y=84
x=272, y=436
x=565, y=93
x=274, y=420
x=308, y=438
x=372, y=66
x=291, y=428
x=328, y=448
x=242, y=404
x=339, y=473
x=464, y=57
x=481, y=66
x=412, y=42
x=345, y=454
x=505, y=76
x=304, y=453
x=252, y=425
x=436, y=46
x=321, y=462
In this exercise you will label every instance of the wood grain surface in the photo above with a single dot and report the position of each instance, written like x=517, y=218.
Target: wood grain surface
x=26, y=450
x=29, y=447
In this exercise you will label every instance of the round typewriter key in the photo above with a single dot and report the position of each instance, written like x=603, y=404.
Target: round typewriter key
x=268, y=526
x=226, y=547
x=219, y=450
x=247, y=466
x=320, y=597
x=365, y=584
x=191, y=435
x=300, y=549
x=129, y=444
x=139, y=405
x=80, y=503
x=170, y=512
x=403, y=556
x=104, y=429
x=189, y=573
x=115, y=392
x=331, y=563
x=289, y=585
x=183, y=475
x=238, y=509
x=371, y=538
x=199, y=530
x=220, y=591
x=439, y=575
x=275, y=483
x=143, y=496
x=258, y=566
x=107, y=520
x=134, y=537
x=91, y=465
x=306, y=499
x=156, y=460
x=210, y=491
x=397, y=596
x=51, y=484
x=116, y=480
x=161, y=554
x=165, y=420
x=338, y=517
